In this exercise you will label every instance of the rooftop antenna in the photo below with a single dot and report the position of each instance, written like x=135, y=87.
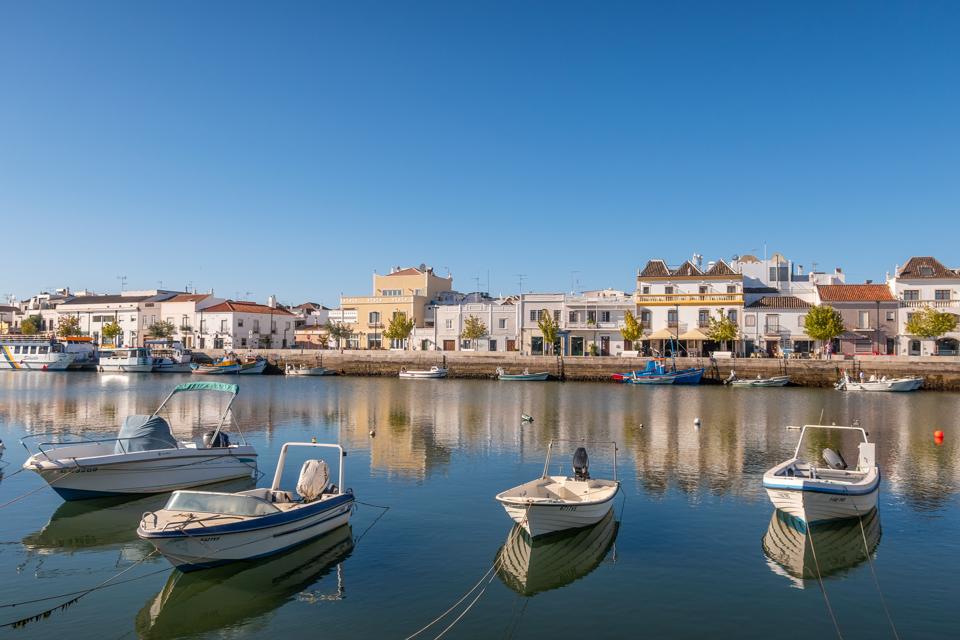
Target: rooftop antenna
x=476, y=282
x=160, y=284
x=520, y=278
x=574, y=281
x=123, y=282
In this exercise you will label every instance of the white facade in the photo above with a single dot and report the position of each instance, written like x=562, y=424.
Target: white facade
x=780, y=276
x=448, y=322
x=134, y=311
x=245, y=325
x=925, y=282
x=589, y=323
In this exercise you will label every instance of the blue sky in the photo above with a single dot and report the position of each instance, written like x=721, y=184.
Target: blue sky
x=294, y=148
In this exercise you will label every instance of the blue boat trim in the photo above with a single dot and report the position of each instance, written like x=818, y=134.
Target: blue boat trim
x=263, y=522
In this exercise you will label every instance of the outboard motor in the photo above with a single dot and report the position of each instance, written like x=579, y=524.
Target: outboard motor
x=581, y=464
x=834, y=459
x=221, y=440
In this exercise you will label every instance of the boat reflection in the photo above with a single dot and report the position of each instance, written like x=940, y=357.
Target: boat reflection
x=105, y=522
x=839, y=545
x=214, y=599
x=550, y=562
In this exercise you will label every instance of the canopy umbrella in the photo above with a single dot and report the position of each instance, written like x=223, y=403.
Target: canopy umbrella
x=662, y=334
x=694, y=334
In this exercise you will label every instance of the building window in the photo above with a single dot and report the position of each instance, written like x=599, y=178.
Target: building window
x=668, y=290
x=891, y=316
x=926, y=270
x=645, y=318
x=591, y=317
x=448, y=323
x=732, y=315
x=911, y=294
x=393, y=292
x=556, y=316
x=604, y=316
x=534, y=315
x=536, y=345
x=703, y=318
x=502, y=324
x=491, y=345
x=941, y=294
x=703, y=288
x=773, y=323
x=373, y=317
x=239, y=321
x=731, y=288
x=572, y=316
x=243, y=342
x=863, y=319
x=751, y=320
x=466, y=345
x=672, y=318
x=801, y=320
x=646, y=291
x=374, y=341
x=223, y=326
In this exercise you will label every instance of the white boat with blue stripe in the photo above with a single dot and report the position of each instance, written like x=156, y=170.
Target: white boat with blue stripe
x=200, y=529
x=814, y=491
x=144, y=458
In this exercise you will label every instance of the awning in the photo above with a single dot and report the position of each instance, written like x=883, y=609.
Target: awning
x=694, y=334
x=662, y=334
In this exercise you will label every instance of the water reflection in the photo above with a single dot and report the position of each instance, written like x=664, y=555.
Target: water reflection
x=796, y=549
x=237, y=594
x=530, y=566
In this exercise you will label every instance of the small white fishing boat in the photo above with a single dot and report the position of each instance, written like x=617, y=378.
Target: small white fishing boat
x=802, y=551
x=526, y=376
x=224, y=365
x=430, y=374
x=773, y=381
x=33, y=353
x=880, y=384
x=556, y=503
x=304, y=370
x=200, y=529
x=530, y=566
x=144, y=457
x=815, y=492
x=170, y=356
x=255, y=366
x=126, y=360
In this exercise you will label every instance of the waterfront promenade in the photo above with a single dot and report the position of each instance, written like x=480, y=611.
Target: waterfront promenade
x=939, y=373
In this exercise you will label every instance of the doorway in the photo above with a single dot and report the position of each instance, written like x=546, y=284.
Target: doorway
x=604, y=345
x=576, y=346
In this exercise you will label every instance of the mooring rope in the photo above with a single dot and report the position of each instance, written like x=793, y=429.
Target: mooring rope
x=823, y=589
x=40, y=488
x=356, y=540
x=63, y=605
x=876, y=581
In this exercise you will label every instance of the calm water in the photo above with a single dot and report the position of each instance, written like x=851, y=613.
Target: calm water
x=683, y=558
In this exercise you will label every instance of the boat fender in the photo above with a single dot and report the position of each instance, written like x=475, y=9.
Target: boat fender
x=834, y=459
x=314, y=476
x=211, y=442
x=581, y=464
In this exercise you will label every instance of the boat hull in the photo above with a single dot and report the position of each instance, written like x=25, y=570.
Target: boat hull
x=253, y=368
x=216, y=370
x=173, y=367
x=51, y=362
x=524, y=377
x=777, y=381
x=126, y=368
x=312, y=371
x=145, y=472
x=191, y=551
x=542, y=519
x=910, y=384
x=423, y=375
x=821, y=504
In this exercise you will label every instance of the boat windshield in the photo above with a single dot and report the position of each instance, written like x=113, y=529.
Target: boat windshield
x=224, y=503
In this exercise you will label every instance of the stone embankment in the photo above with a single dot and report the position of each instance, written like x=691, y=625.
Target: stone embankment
x=938, y=373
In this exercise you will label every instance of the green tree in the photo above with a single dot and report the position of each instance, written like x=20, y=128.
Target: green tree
x=111, y=331
x=473, y=329
x=338, y=331
x=550, y=328
x=68, y=326
x=631, y=330
x=162, y=329
x=930, y=324
x=823, y=323
x=399, y=328
x=722, y=329
x=31, y=325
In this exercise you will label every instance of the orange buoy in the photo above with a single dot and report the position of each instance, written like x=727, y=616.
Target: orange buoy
x=938, y=437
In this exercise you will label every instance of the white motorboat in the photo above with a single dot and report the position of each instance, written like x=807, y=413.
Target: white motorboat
x=126, y=360
x=802, y=552
x=255, y=366
x=773, y=381
x=531, y=566
x=200, y=529
x=33, y=353
x=431, y=373
x=145, y=457
x=526, y=376
x=556, y=503
x=814, y=492
x=170, y=356
x=304, y=370
x=880, y=384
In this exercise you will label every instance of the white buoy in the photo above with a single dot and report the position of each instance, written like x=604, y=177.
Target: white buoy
x=641, y=425
x=696, y=422
x=373, y=433
x=526, y=418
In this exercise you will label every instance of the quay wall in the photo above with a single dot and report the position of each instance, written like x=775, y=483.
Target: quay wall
x=939, y=373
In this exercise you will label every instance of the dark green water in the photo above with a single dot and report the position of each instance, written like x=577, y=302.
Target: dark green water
x=683, y=557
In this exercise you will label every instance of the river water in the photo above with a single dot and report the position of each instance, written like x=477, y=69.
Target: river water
x=692, y=549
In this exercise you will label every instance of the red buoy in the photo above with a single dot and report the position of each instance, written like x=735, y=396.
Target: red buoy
x=938, y=437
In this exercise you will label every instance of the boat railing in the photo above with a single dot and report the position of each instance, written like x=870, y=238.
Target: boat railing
x=84, y=440
x=278, y=474
x=546, y=464
x=803, y=431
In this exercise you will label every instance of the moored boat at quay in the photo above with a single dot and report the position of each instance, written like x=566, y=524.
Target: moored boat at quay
x=126, y=360
x=33, y=353
x=169, y=356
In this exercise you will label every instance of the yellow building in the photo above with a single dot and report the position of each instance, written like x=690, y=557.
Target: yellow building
x=409, y=291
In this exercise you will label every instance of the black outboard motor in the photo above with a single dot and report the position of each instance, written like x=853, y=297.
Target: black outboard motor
x=581, y=464
x=211, y=442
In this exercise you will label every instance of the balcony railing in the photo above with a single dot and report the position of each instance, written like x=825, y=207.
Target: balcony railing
x=594, y=325
x=667, y=299
x=936, y=304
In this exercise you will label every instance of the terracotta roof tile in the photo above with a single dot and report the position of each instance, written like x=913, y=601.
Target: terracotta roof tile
x=188, y=297
x=855, y=293
x=926, y=267
x=721, y=268
x=655, y=269
x=245, y=307
x=779, y=302
x=687, y=269
x=409, y=271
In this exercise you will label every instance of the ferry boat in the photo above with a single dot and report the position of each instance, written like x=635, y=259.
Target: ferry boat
x=126, y=360
x=84, y=350
x=33, y=353
x=170, y=356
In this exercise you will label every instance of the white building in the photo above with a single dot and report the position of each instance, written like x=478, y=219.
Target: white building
x=235, y=325
x=589, y=323
x=445, y=324
x=780, y=276
x=133, y=311
x=311, y=314
x=185, y=312
x=925, y=282
x=675, y=304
